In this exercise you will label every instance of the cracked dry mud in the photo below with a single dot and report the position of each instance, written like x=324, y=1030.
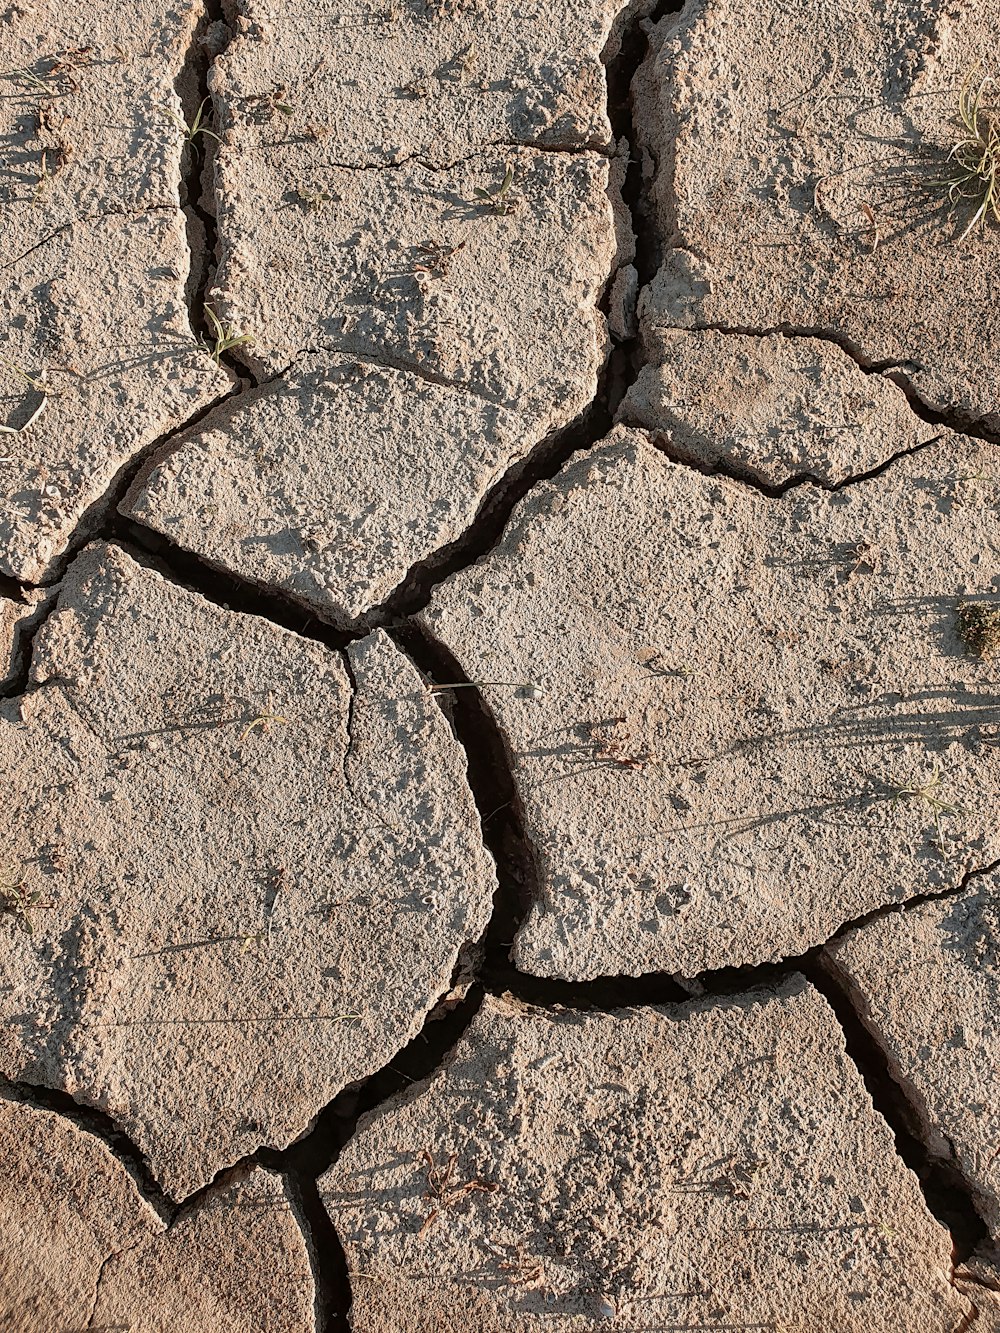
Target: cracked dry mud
x=501, y=783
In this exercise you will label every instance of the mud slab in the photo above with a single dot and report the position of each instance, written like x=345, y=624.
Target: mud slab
x=926, y=981
x=795, y=157
x=248, y=864
x=84, y=1249
x=763, y=698
x=100, y=359
x=713, y=1166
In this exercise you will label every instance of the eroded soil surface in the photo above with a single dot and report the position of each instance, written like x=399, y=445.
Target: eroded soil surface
x=499, y=619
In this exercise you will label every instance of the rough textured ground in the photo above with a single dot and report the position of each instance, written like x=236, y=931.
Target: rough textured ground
x=84, y=1250
x=805, y=193
x=18, y=617
x=95, y=253
x=773, y=409
x=196, y=944
x=499, y=613
x=764, y=698
x=927, y=983
x=412, y=301
x=710, y=1167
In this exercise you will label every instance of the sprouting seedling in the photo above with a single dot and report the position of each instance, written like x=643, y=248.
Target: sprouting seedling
x=225, y=335
x=18, y=901
x=314, y=200
x=974, y=173
x=33, y=382
x=929, y=794
x=39, y=83
x=263, y=720
x=497, y=199
x=197, y=125
x=57, y=77
x=38, y=386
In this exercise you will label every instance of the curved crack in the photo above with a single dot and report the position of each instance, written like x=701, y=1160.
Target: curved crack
x=101, y=1126
x=952, y=418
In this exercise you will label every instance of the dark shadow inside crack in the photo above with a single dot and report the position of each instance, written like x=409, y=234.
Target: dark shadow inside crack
x=946, y=1192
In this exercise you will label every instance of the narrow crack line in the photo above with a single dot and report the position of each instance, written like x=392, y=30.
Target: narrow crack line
x=351, y=703
x=915, y=901
x=948, y=1196
x=26, y=634
x=97, y=1284
x=67, y=226
x=732, y=471
x=785, y=329
x=874, y=472
x=633, y=53
x=976, y=1280
x=105, y=1262
x=968, y=1319
x=197, y=166
x=607, y=992
x=99, y=514
x=894, y=370
x=490, y=776
x=216, y=415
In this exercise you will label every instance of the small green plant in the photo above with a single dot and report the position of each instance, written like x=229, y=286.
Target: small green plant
x=262, y=107
x=979, y=627
x=224, y=335
x=18, y=901
x=36, y=82
x=31, y=381
x=530, y=691
x=974, y=172
x=197, y=125
x=929, y=794
x=313, y=201
x=498, y=199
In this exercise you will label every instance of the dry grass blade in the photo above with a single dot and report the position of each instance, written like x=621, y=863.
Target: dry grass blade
x=36, y=385
x=974, y=171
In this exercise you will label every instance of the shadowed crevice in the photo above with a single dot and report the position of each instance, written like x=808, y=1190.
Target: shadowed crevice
x=326, y=1254
x=99, y=1125
x=946, y=1192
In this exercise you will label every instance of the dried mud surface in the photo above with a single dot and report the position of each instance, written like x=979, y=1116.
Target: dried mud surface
x=499, y=611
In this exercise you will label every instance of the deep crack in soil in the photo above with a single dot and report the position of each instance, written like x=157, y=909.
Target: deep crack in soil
x=489, y=768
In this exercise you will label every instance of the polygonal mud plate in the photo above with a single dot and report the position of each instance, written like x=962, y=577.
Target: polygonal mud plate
x=754, y=719
x=248, y=864
x=708, y=1166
